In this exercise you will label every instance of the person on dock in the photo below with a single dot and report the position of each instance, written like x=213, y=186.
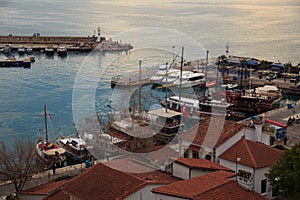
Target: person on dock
x=285, y=140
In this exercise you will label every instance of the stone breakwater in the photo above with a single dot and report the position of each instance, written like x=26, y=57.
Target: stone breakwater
x=71, y=43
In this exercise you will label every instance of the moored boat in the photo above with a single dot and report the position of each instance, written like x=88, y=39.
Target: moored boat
x=146, y=129
x=21, y=50
x=77, y=149
x=28, y=50
x=49, y=50
x=258, y=100
x=62, y=51
x=49, y=153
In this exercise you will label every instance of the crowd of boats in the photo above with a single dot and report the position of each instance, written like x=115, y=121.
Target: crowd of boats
x=135, y=129
x=22, y=50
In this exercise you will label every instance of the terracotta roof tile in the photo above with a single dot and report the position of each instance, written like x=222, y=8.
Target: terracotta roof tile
x=201, y=163
x=252, y=154
x=44, y=189
x=143, y=171
x=157, y=177
x=198, y=133
x=59, y=195
x=192, y=187
x=131, y=165
x=230, y=190
x=102, y=182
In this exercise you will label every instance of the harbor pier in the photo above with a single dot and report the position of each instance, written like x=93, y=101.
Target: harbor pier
x=72, y=43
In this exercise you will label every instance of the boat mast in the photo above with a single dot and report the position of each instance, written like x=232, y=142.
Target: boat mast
x=45, y=119
x=166, y=88
x=140, y=90
x=181, y=72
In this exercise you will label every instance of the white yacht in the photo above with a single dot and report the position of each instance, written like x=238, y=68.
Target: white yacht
x=190, y=79
x=161, y=73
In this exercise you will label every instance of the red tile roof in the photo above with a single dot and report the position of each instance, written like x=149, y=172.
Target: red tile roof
x=201, y=163
x=230, y=190
x=143, y=171
x=43, y=189
x=157, y=177
x=131, y=165
x=252, y=154
x=59, y=195
x=102, y=182
x=218, y=133
x=192, y=187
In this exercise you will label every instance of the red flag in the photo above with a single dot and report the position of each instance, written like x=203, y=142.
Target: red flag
x=185, y=112
x=50, y=116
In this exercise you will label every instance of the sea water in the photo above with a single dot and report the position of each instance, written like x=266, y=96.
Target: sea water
x=157, y=30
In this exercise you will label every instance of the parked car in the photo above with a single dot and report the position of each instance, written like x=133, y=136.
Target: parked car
x=271, y=77
x=294, y=80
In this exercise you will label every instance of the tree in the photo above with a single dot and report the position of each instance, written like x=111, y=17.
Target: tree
x=284, y=175
x=18, y=164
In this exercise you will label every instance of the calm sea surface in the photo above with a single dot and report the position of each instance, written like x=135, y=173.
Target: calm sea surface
x=265, y=30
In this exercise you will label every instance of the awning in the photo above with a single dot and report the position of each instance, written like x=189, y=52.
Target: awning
x=276, y=123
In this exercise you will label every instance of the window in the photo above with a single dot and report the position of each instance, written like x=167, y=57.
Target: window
x=263, y=186
x=195, y=154
x=208, y=157
x=186, y=153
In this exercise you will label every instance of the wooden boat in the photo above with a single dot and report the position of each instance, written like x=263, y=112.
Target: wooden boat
x=146, y=129
x=257, y=100
x=49, y=153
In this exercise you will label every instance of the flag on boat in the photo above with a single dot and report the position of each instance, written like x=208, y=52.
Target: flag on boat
x=50, y=117
x=185, y=112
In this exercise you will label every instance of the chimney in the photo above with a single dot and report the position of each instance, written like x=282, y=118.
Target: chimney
x=258, y=131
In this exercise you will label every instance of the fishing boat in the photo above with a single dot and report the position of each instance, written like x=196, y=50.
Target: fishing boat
x=49, y=153
x=7, y=49
x=21, y=50
x=77, y=148
x=28, y=50
x=257, y=100
x=49, y=50
x=62, y=51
